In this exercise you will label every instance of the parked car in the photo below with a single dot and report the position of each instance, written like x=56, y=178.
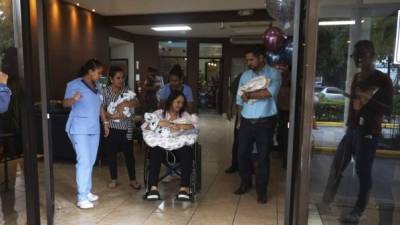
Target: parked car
x=332, y=93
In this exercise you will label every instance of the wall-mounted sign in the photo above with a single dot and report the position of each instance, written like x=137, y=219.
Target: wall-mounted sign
x=397, y=46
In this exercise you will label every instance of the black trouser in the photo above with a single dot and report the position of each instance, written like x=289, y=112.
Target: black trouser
x=117, y=141
x=235, y=146
x=157, y=155
x=283, y=134
x=362, y=145
x=262, y=134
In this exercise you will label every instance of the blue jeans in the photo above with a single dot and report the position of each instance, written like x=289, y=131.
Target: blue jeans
x=86, y=147
x=362, y=145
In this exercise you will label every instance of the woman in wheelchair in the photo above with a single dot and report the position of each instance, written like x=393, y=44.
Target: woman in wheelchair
x=170, y=129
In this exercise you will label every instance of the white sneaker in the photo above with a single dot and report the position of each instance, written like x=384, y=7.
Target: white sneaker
x=85, y=204
x=92, y=197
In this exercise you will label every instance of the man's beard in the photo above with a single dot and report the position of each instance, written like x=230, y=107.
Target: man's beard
x=252, y=68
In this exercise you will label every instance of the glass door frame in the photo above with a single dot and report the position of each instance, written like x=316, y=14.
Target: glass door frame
x=299, y=146
x=23, y=43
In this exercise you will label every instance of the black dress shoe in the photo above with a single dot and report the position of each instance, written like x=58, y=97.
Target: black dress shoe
x=262, y=199
x=242, y=190
x=231, y=169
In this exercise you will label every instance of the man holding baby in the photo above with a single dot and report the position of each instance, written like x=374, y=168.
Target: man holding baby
x=257, y=119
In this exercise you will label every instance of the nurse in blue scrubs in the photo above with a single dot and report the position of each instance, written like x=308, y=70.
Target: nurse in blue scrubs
x=83, y=127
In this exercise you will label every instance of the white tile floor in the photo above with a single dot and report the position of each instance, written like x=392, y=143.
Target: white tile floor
x=216, y=204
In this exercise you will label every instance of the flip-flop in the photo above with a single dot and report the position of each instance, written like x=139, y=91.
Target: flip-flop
x=136, y=186
x=152, y=196
x=183, y=196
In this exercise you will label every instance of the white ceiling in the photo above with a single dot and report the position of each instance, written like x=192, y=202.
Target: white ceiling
x=136, y=7
x=207, y=30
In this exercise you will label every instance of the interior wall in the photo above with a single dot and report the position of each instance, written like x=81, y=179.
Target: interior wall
x=74, y=36
x=125, y=51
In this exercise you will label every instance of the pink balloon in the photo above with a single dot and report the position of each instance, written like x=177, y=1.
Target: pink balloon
x=274, y=39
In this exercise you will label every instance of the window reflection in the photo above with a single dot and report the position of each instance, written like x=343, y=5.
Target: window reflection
x=347, y=174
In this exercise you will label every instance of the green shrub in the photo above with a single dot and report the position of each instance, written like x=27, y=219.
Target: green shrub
x=329, y=110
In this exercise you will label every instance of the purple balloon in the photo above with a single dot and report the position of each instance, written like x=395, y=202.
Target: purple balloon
x=273, y=39
x=281, y=10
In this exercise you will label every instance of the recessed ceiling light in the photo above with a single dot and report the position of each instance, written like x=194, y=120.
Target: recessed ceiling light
x=171, y=28
x=338, y=22
x=93, y=10
x=169, y=42
x=77, y=4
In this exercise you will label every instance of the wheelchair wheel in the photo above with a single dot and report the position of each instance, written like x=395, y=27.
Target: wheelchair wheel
x=195, y=178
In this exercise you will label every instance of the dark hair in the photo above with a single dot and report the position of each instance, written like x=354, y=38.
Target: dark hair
x=171, y=98
x=176, y=71
x=152, y=70
x=257, y=50
x=365, y=46
x=91, y=64
x=112, y=72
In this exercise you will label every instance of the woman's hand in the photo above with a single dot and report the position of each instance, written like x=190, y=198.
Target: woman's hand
x=175, y=128
x=122, y=106
x=77, y=96
x=164, y=123
x=106, y=130
x=117, y=115
x=71, y=101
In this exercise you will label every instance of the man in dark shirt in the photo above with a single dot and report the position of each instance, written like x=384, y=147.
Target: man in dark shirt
x=370, y=99
x=233, y=91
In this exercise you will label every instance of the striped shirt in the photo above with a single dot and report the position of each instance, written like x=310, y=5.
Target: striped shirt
x=110, y=96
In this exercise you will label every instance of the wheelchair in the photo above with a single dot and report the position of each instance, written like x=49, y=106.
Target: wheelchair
x=172, y=166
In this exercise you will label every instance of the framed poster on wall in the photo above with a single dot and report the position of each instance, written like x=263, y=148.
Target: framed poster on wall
x=397, y=46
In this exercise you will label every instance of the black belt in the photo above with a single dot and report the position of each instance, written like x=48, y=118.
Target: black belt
x=261, y=120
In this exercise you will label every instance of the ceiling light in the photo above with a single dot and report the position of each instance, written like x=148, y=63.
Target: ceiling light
x=1, y=12
x=246, y=12
x=77, y=4
x=171, y=28
x=93, y=10
x=169, y=42
x=338, y=22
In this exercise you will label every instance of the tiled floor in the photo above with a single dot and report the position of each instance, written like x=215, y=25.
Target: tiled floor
x=215, y=205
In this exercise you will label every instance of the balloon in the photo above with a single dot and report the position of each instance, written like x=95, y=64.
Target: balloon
x=288, y=50
x=274, y=58
x=274, y=39
x=281, y=10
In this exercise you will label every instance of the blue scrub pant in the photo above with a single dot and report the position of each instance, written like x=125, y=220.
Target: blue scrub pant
x=86, y=147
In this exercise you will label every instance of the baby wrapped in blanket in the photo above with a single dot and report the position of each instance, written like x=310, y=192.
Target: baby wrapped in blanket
x=127, y=96
x=155, y=135
x=256, y=84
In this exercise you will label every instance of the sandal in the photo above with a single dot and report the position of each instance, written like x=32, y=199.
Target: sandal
x=135, y=185
x=183, y=196
x=153, y=195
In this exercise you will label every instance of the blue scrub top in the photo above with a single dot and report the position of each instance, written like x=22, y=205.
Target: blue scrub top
x=261, y=108
x=85, y=113
x=166, y=91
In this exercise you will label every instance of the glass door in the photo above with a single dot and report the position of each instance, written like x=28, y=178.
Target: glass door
x=348, y=155
x=18, y=139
